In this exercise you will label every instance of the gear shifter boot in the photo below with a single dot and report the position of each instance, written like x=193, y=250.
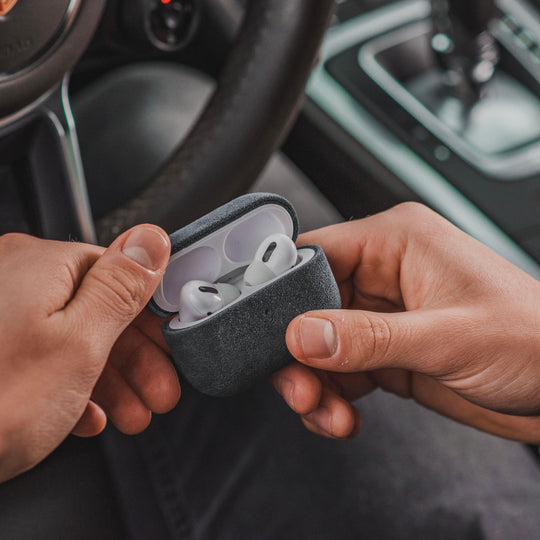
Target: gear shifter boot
x=499, y=133
x=505, y=119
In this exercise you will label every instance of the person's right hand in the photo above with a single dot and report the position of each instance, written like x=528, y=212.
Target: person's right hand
x=429, y=314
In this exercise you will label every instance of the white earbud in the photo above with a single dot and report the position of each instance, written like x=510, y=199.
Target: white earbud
x=200, y=299
x=274, y=257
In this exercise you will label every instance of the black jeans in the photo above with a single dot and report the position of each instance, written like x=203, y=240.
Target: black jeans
x=245, y=467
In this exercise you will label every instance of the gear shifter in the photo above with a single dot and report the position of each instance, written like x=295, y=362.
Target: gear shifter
x=465, y=49
x=468, y=79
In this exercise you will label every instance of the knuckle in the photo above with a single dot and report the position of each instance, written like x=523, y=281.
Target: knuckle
x=122, y=291
x=11, y=241
x=381, y=336
x=413, y=210
x=371, y=337
x=420, y=220
x=414, y=213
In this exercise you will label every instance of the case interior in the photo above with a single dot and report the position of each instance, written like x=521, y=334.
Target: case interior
x=223, y=255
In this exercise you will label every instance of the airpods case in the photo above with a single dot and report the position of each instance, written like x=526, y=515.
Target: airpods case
x=228, y=351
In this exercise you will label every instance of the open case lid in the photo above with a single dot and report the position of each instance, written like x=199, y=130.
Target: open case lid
x=221, y=243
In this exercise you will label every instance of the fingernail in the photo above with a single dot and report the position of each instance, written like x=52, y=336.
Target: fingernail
x=146, y=247
x=286, y=390
x=322, y=419
x=318, y=338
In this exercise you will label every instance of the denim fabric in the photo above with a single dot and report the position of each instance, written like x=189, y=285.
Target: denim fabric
x=67, y=496
x=245, y=468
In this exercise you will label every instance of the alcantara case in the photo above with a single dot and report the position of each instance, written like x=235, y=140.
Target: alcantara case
x=244, y=342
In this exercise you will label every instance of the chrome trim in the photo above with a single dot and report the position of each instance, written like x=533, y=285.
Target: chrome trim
x=67, y=135
x=49, y=47
x=527, y=17
x=433, y=188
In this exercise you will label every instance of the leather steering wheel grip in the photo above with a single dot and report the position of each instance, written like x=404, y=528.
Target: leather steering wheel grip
x=259, y=92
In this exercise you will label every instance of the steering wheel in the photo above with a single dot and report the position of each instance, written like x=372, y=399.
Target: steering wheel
x=259, y=90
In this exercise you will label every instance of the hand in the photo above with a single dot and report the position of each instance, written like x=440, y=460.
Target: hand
x=430, y=314
x=71, y=352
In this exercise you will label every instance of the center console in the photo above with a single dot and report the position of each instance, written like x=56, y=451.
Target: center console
x=473, y=156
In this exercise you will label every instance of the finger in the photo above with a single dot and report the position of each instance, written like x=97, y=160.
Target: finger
x=382, y=254
x=335, y=416
x=121, y=404
x=435, y=396
x=150, y=325
x=395, y=381
x=120, y=284
x=426, y=341
x=342, y=243
x=352, y=386
x=315, y=429
x=92, y=422
x=299, y=386
x=147, y=370
x=364, y=242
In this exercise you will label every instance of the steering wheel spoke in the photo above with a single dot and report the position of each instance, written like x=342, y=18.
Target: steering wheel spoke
x=42, y=171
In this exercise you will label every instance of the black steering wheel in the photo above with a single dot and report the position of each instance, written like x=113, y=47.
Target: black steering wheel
x=259, y=90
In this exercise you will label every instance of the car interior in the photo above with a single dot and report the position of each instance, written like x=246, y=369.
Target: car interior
x=118, y=112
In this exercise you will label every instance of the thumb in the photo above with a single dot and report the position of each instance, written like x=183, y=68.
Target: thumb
x=350, y=341
x=120, y=283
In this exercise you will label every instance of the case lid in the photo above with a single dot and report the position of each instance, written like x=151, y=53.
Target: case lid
x=220, y=243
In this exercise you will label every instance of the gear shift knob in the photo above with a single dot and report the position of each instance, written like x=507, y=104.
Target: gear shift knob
x=465, y=49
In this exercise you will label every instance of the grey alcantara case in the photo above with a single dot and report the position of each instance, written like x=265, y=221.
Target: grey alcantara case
x=244, y=342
